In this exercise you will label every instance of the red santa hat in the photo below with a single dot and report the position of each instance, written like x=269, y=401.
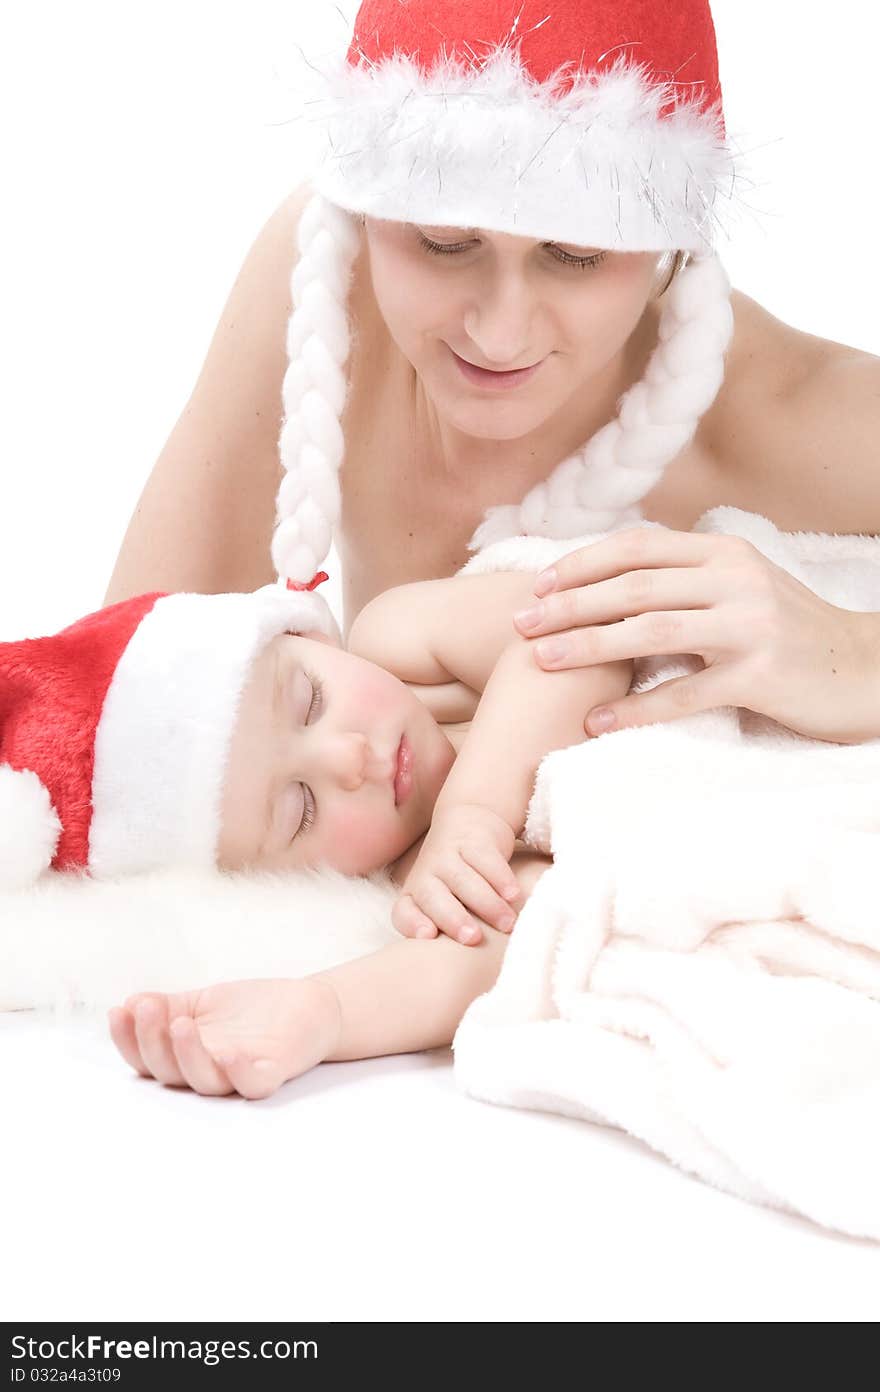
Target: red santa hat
x=597, y=122
x=115, y=732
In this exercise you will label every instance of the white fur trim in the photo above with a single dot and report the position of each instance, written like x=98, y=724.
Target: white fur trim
x=533, y=552
x=29, y=828
x=487, y=146
x=73, y=940
x=163, y=738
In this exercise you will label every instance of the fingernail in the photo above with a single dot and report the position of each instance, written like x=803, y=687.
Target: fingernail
x=506, y=922
x=468, y=933
x=511, y=891
x=552, y=649
x=425, y=930
x=600, y=720
x=545, y=582
x=529, y=618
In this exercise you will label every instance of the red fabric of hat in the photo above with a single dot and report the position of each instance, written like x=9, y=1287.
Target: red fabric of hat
x=52, y=693
x=674, y=42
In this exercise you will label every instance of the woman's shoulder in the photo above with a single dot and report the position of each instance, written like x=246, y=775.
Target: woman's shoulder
x=792, y=423
x=769, y=355
x=765, y=349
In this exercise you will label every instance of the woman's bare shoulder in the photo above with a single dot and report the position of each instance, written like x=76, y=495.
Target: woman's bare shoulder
x=774, y=356
x=795, y=425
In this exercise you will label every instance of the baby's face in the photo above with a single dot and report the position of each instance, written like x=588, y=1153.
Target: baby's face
x=310, y=777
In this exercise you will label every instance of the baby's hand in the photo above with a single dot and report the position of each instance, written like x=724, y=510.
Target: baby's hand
x=464, y=863
x=241, y=1036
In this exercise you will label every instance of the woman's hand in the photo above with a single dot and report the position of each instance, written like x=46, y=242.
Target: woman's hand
x=464, y=863
x=768, y=643
x=247, y=1037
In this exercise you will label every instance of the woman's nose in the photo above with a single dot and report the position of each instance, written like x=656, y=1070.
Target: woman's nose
x=499, y=325
x=351, y=759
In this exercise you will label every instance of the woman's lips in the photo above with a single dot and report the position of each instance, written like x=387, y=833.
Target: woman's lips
x=494, y=381
x=403, y=776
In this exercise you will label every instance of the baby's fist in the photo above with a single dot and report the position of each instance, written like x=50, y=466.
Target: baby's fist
x=463, y=865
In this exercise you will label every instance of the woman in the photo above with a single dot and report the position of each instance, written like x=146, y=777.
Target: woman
x=449, y=242
x=762, y=417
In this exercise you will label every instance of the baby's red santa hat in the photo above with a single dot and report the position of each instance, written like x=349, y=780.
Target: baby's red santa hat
x=115, y=732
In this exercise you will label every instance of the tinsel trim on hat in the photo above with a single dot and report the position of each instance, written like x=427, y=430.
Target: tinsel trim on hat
x=615, y=159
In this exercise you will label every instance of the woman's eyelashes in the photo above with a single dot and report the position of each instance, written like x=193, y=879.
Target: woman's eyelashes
x=564, y=257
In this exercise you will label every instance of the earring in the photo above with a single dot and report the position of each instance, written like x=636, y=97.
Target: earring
x=677, y=262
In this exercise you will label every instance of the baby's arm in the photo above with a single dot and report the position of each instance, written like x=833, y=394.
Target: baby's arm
x=396, y=1001
x=461, y=630
x=524, y=713
x=251, y=1036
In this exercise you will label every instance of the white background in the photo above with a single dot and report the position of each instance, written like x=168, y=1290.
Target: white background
x=144, y=145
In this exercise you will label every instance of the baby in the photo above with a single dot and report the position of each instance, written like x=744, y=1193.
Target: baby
x=415, y=749
x=236, y=729
x=347, y=758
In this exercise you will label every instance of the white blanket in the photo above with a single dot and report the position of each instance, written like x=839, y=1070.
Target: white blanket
x=701, y=964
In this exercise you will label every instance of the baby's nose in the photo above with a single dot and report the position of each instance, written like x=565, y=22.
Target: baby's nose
x=356, y=760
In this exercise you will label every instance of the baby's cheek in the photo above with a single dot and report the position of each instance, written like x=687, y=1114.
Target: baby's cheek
x=376, y=695
x=362, y=844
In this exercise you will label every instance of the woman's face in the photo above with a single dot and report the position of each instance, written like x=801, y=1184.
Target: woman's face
x=504, y=302
x=310, y=776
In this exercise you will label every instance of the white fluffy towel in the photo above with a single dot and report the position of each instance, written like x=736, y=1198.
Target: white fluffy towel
x=700, y=966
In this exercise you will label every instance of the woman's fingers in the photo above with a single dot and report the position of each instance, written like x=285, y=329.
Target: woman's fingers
x=624, y=596
x=632, y=549
x=648, y=635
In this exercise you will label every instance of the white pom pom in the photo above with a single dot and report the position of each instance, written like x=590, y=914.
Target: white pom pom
x=29, y=828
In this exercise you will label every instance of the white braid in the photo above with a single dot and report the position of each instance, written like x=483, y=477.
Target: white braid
x=314, y=390
x=596, y=489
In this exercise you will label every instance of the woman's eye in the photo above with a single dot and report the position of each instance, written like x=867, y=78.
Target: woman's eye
x=566, y=258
